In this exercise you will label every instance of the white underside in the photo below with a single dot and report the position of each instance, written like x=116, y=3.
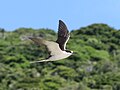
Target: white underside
x=56, y=52
x=60, y=56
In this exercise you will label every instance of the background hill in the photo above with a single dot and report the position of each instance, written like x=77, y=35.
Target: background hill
x=95, y=66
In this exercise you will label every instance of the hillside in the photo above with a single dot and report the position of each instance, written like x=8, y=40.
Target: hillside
x=95, y=66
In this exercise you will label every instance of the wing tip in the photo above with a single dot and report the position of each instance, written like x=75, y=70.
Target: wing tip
x=60, y=21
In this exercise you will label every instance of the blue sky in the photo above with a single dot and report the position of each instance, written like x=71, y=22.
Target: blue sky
x=46, y=13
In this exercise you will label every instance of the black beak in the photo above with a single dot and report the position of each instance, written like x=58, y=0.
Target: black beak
x=75, y=53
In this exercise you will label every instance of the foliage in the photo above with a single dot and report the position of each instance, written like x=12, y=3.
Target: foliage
x=94, y=66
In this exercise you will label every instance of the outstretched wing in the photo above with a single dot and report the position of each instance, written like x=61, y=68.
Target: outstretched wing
x=63, y=35
x=51, y=46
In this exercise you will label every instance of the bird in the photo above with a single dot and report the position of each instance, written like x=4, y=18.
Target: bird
x=57, y=49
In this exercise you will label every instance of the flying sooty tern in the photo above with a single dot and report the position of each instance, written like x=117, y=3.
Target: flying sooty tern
x=57, y=49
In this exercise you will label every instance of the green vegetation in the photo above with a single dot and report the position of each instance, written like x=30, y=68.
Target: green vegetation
x=95, y=66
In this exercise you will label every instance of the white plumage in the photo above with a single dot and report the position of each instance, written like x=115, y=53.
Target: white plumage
x=57, y=49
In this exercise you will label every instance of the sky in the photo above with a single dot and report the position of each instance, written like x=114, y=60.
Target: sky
x=37, y=14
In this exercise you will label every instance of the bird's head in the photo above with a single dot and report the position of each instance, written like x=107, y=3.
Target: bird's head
x=68, y=51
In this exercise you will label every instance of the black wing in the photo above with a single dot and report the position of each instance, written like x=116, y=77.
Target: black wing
x=63, y=35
